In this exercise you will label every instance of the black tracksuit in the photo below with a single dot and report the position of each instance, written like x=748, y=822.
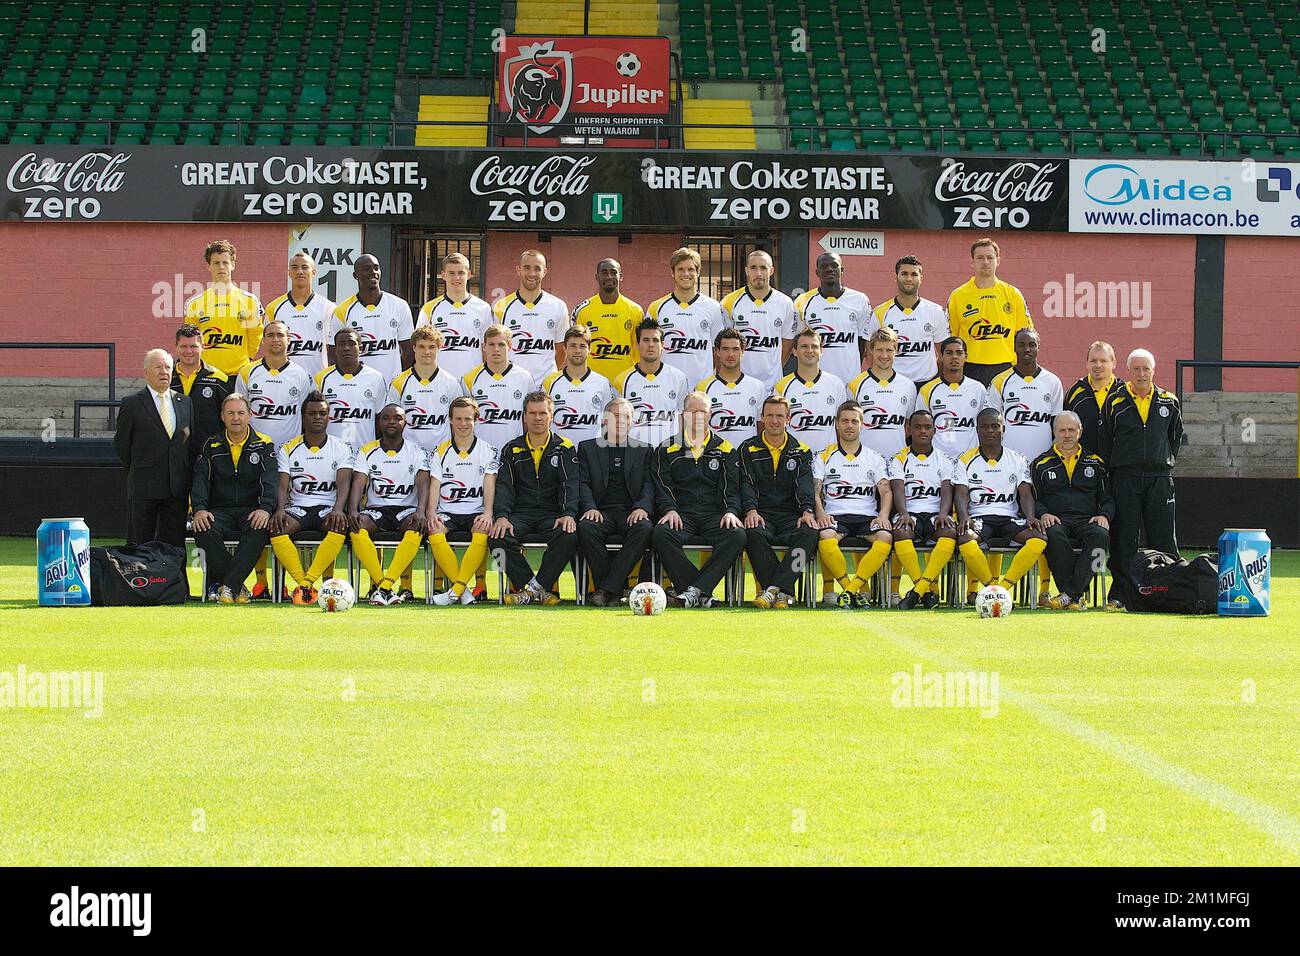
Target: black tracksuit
x=781, y=498
x=233, y=492
x=532, y=497
x=1082, y=400
x=207, y=391
x=1075, y=499
x=700, y=490
x=1141, y=458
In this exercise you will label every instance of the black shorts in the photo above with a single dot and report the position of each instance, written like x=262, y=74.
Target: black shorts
x=310, y=518
x=998, y=531
x=459, y=524
x=854, y=526
x=389, y=517
x=923, y=531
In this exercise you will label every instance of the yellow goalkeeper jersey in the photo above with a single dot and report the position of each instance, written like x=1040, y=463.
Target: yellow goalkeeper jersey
x=987, y=320
x=612, y=326
x=231, y=325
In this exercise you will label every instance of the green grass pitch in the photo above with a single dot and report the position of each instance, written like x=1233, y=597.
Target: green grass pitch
x=488, y=735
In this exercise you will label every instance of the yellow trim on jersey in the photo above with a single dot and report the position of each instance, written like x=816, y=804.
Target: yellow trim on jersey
x=783, y=383
x=291, y=444
x=1000, y=380
x=968, y=456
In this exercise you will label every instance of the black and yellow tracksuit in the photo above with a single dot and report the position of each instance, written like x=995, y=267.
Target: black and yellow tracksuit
x=535, y=487
x=1082, y=400
x=780, y=489
x=701, y=485
x=232, y=481
x=207, y=389
x=1139, y=441
x=1076, y=489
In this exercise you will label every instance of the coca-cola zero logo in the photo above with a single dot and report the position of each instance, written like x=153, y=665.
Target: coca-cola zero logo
x=552, y=176
x=96, y=172
x=991, y=198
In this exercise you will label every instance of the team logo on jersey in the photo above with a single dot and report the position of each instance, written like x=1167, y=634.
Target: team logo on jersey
x=538, y=85
x=490, y=413
x=418, y=418
x=677, y=341
x=803, y=419
x=791, y=465
x=214, y=339
x=835, y=486
x=873, y=416
x=207, y=391
x=984, y=495
x=453, y=490
x=566, y=416
x=917, y=489
x=603, y=348
x=453, y=341
x=254, y=458
x=946, y=420
x=1164, y=412
x=555, y=461
x=1019, y=414
x=306, y=484
x=1088, y=472
x=263, y=406
x=381, y=486
x=723, y=419
x=980, y=330
x=753, y=340
x=833, y=338
x=371, y=344
x=713, y=464
x=342, y=411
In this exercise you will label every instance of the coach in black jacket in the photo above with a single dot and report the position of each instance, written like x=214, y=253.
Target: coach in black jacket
x=1076, y=508
x=1141, y=433
x=697, y=481
x=1087, y=397
x=537, y=500
x=236, y=483
x=152, y=441
x=616, y=497
x=206, y=386
x=776, y=496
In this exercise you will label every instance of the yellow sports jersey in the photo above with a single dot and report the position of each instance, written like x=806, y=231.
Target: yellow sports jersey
x=612, y=326
x=987, y=320
x=231, y=324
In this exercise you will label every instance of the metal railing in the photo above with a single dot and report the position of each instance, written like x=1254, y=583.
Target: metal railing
x=1181, y=364
x=111, y=403
x=668, y=135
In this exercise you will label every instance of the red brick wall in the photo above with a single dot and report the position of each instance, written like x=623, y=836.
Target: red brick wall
x=1261, y=279
x=98, y=282
x=571, y=264
x=1031, y=261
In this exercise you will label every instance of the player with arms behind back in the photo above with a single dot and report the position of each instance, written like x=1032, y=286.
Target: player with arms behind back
x=737, y=396
x=459, y=315
x=229, y=318
x=466, y=468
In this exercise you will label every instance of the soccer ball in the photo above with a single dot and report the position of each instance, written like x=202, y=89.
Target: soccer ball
x=336, y=595
x=993, y=601
x=628, y=64
x=647, y=599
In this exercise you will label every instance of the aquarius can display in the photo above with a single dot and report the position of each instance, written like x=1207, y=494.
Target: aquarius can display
x=63, y=562
x=1245, y=556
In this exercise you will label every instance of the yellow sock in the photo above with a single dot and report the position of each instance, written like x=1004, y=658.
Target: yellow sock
x=324, y=560
x=365, y=551
x=905, y=554
x=871, y=562
x=834, y=566
x=939, y=556
x=286, y=552
x=408, y=576
x=977, y=565
x=480, y=576
x=995, y=565
x=1025, y=559
x=474, y=554
x=895, y=573
x=443, y=555
x=1044, y=576
x=260, y=568
x=403, y=556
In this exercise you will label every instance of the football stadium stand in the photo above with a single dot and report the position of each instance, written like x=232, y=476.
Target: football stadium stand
x=1122, y=77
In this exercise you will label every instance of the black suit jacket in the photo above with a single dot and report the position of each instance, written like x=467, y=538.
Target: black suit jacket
x=593, y=475
x=156, y=466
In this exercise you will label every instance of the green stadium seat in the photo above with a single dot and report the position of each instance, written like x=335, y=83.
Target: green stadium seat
x=979, y=141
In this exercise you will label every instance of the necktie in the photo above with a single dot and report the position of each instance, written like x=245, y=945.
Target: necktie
x=165, y=410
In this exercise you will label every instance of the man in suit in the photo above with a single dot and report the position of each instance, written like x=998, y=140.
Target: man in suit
x=615, y=499
x=152, y=441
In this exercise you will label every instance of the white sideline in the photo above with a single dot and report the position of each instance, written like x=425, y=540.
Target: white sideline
x=1283, y=829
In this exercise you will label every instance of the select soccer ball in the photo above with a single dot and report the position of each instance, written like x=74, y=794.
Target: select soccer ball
x=628, y=64
x=993, y=601
x=336, y=595
x=647, y=599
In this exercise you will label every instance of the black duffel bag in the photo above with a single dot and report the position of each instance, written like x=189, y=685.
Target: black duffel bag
x=1174, y=585
x=138, y=576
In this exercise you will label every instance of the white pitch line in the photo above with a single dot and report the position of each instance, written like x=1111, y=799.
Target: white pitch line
x=1277, y=825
